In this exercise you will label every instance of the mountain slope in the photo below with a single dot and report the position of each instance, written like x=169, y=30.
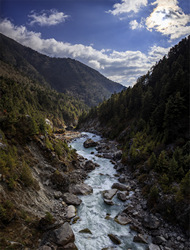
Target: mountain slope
x=62, y=74
x=151, y=123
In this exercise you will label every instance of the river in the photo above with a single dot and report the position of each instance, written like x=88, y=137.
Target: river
x=94, y=214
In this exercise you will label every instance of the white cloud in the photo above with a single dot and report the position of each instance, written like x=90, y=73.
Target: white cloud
x=124, y=67
x=47, y=18
x=127, y=6
x=169, y=19
x=135, y=25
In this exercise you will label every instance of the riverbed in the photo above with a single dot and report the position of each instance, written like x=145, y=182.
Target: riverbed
x=93, y=213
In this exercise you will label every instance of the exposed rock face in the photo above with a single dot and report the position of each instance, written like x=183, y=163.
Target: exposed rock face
x=81, y=189
x=109, y=194
x=71, y=199
x=60, y=180
x=89, y=143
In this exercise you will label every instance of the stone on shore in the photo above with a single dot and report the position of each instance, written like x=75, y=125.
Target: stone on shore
x=71, y=212
x=153, y=247
x=120, y=186
x=140, y=238
x=71, y=199
x=122, y=195
x=64, y=235
x=81, y=189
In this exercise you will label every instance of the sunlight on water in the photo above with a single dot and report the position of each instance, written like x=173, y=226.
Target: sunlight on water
x=93, y=210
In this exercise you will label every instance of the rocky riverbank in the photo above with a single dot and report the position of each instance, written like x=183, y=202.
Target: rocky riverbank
x=137, y=214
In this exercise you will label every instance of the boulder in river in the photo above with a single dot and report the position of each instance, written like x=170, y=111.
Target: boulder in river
x=85, y=231
x=71, y=199
x=89, y=165
x=122, y=219
x=90, y=143
x=114, y=239
x=120, y=187
x=109, y=194
x=81, y=189
x=108, y=202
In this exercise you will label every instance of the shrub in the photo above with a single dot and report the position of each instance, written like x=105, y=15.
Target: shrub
x=26, y=175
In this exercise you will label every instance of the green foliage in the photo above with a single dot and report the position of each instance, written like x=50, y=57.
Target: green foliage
x=153, y=196
x=6, y=211
x=49, y=144
x=184, y=191
x=26, y=175
x=13, y=169
x=49, y=218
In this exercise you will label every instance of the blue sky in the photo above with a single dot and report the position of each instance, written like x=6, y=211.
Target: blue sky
x=122, y=39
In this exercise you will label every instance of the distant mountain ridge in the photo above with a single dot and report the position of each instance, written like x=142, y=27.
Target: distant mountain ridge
x=62, y=74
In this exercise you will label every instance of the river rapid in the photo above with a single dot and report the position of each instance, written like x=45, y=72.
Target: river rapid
x=93, y=213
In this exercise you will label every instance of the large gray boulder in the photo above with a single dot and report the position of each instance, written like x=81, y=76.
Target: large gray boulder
x=122, y=219
x=64, y=235
x=90, y=143
x=81, y=189
x=120, y=187
x=71, y=212
x=109, y=194
x=122, y=195
x=89, y=165
x=71, y=199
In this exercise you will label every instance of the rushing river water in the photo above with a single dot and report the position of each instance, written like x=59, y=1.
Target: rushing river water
x=93, y=210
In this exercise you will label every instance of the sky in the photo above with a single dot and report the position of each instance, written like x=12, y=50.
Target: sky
x=122, y=39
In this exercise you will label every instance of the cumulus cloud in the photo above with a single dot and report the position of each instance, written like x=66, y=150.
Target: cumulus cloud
x=135, y=25
x=169, y=19
x=127, y=6
x=121, y=66
x=47, y=18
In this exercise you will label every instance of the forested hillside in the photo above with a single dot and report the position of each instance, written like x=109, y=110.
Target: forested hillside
x=151, y=122
x=63, y=74
x=32, y=117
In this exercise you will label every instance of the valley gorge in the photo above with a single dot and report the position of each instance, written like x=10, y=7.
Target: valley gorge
x=80, y=170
